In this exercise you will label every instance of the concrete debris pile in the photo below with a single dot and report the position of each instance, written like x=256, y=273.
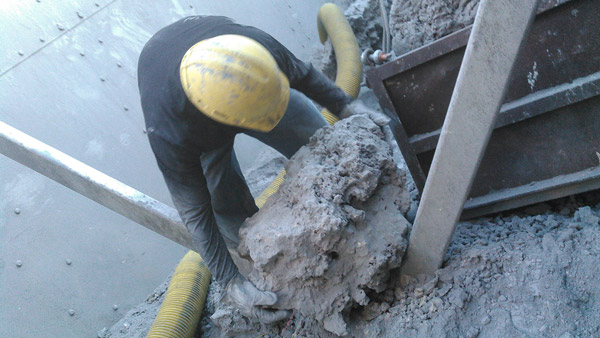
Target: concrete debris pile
x=514, y=276
x=335, y=229
x=529, y=274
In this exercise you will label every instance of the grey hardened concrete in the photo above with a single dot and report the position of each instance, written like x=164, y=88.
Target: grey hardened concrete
x=335, y=228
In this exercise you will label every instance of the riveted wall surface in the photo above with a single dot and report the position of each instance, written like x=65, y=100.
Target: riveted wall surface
x=68, y=78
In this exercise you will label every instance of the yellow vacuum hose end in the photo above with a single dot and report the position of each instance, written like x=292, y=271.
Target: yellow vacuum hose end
x=183, y=304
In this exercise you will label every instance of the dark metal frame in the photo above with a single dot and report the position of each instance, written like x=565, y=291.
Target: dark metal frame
x=564, y=91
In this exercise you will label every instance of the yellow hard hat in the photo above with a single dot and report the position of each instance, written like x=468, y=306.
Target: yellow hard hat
x=235, y=80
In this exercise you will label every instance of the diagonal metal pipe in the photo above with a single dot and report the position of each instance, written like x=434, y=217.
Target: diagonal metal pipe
x=93, y=184
x=493, y=47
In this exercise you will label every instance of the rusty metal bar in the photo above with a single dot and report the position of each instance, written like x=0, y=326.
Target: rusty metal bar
x=496, y=38
x=93, y=184
x=534, y=104
x=555, y=187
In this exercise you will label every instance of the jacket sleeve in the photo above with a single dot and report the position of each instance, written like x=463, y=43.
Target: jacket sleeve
x=318, y=87
x=191, y=198
x=305, y=78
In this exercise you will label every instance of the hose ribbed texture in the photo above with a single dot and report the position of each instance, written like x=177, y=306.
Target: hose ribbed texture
x=271, y=189
x=181, y=309
x=332, y=23
x=183, y=304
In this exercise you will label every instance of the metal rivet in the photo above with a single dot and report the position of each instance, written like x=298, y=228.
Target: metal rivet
x=125, y=108
x=119, y=65
x=79, y=15
x=71, y=312
x=144, y=131
x=82, y=53
x=42, y=40
x=191, y=6
x=100, y=41
x=102, y=79
x=38, y=0
x=21, y=53
x=19, y=263
x=17, y=211
x=69, y=262
x=60, y=27
x=115, y=307
x=97, y=4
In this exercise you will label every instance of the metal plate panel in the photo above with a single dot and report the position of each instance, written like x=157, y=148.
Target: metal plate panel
x=546, y=126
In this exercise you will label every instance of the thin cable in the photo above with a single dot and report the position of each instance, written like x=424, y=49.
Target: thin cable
x=385, y=41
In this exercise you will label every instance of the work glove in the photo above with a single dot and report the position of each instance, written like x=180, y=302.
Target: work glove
x=356, y=108
x=252, y=302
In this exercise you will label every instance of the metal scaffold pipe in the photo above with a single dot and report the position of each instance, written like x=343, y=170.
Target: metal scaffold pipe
x=93, y=184
x=494, y=44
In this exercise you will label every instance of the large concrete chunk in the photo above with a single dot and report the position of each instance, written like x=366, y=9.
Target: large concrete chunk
x=335, y=228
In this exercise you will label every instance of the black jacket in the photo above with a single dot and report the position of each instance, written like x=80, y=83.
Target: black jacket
x=176, y=129
x=179, y=133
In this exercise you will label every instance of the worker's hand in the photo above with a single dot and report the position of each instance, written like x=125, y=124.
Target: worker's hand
x=356, y=108
x=252, y=302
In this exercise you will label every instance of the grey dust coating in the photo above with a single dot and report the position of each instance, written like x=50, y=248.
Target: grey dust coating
x=495, y=40
x=68, y=78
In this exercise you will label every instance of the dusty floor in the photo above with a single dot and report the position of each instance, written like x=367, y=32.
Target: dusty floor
x=522, y=275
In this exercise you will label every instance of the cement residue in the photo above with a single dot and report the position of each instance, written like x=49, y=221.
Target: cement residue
x=514, y=276
x=137, y=322
x=414, y=23
x=335, y=227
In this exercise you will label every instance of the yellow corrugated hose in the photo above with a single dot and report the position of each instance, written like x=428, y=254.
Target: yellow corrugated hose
x=181, y=309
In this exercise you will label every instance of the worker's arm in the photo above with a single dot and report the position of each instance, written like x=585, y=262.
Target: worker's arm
x=187, y=184
x=319, y=88
x=314, y=84
x=305, y=78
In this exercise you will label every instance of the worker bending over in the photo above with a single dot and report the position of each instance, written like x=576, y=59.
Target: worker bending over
x=202, y=80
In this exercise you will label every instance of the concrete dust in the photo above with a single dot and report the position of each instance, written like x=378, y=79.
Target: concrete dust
x=513, y=276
